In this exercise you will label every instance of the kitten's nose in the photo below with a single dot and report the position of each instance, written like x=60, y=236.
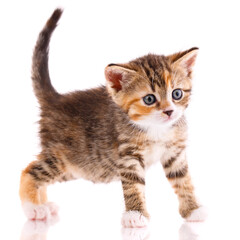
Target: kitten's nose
x=168, y=112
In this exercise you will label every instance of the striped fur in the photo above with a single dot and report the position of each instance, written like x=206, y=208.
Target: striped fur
x=108, y=133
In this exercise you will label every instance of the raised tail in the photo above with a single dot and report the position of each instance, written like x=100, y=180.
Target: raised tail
x=40, y=74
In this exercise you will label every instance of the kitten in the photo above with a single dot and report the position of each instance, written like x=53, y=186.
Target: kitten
x=114, y=132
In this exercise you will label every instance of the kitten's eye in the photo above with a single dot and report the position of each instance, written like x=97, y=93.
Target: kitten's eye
x=177, y=94
x=149, y=99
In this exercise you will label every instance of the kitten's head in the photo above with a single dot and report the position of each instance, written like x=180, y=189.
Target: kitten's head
x=153, y=90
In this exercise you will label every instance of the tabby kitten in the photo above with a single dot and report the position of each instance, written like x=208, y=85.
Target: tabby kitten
x=114, y=132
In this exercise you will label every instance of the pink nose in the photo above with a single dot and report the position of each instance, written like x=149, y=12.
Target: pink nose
x=168, y=112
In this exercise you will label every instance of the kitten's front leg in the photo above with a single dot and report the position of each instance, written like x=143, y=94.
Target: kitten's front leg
x=136, y=214
x=133, y=182
x=176, y=169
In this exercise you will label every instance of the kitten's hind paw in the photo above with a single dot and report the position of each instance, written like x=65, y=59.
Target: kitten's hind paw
x=36, y=212
x=39, y=212
x=134, y=219
x=53, y=207
x=198, y=215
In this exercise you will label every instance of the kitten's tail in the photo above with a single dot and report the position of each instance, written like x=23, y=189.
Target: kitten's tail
x=40, y=74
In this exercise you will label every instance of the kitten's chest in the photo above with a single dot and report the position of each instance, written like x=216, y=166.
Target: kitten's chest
x=160, y=146
x=154, y=152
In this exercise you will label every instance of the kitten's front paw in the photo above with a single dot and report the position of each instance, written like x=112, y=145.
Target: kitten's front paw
x=39, y=212
x=134, y=219
x=198, y=215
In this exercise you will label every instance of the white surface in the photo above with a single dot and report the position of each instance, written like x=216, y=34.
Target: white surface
x=92, y=34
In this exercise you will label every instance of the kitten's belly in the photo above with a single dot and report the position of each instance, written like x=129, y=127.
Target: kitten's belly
x=96, y=174
x=104, y=172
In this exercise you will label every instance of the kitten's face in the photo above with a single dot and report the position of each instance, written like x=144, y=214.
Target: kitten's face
x=153, y=90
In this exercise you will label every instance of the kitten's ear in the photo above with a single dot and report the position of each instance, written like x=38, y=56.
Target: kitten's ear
x=185, y=59
x=118, y=75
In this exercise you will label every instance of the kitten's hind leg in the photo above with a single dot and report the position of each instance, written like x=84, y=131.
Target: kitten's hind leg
x=33, y=184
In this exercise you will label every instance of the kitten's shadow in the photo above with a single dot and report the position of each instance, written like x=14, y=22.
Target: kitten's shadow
x=135, y=234
x=190, y=230
x=187, y=231
x=36, y=229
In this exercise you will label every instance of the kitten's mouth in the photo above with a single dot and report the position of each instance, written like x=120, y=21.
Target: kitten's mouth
x=168, y=119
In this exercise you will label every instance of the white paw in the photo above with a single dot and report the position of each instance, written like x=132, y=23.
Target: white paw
x=198, y=215
x=39, y=212
x=53, y=207
x=134, y=219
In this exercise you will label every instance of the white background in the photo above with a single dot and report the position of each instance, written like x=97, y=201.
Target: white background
x=92, y=34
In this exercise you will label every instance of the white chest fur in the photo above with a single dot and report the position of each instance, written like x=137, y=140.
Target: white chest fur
x=157, y=150
x=154, y=153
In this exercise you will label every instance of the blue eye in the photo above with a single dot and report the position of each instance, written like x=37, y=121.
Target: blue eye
x=149, y=99
x=177, y=94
